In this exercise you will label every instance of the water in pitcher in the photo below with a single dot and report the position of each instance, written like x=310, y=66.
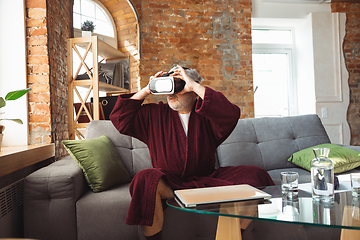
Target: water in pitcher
x=322, y=176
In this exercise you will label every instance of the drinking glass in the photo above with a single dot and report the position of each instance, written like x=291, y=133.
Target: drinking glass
x=289, y=183
x=355, y=184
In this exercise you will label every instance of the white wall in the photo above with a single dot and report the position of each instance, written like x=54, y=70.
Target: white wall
x=13, y=69
x=305, y=75
x=331, y=76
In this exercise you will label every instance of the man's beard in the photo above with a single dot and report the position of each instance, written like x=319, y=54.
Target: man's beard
x=174, y=103
x=177, y=105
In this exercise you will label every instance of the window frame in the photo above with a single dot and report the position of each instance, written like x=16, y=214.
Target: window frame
x=108, y=15
x=289, y=49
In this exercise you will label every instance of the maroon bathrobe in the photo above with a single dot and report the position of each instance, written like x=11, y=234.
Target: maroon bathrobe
x=183, y=161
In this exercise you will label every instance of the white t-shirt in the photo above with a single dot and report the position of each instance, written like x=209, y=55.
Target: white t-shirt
x=185, y=121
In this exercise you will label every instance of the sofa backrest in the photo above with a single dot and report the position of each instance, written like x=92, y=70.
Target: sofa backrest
x=133, y=153
x=263, y=142
x=269, y=142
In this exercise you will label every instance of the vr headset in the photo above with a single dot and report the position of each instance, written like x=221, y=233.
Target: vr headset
x=166, y=84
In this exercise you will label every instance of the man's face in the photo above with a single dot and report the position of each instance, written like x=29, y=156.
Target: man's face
x=182, y=103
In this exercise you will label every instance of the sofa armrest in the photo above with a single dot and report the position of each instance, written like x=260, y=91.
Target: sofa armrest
x=50, y=200
x=356, y=148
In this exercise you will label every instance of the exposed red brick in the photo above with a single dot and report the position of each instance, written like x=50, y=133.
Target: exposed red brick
x=39, y=98
x=40, y=118
x=40, y=108
x=351, y=49
x=32, y=60
x=37, y=31
x=38, y=50
x=42, y=126
x=43, y=37
x=36, y=22
x=38, y=78
x=36, y=13
x=39, y=69
x=37, y=41
x=36, y=4
x=40, y=88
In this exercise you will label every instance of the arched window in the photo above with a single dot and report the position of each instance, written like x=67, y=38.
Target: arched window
x=94, y=10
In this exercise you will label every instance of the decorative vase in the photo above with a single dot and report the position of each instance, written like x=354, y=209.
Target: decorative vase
x=86, y=33
x=322, y=175
x=1, y=137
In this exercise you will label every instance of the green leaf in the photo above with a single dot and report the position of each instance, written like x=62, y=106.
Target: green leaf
x=2, y=102
x=16, y=94
x=19, y=121
x=15, y=120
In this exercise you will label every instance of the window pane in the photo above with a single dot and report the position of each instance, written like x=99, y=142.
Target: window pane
x=77, y=20
x=271, y=83
x=87, y=8
x=84, y=18
x=101, y=15
x=104, y=28
x=76, y=6
x=271, y=36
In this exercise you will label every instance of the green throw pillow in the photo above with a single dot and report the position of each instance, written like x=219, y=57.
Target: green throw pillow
x=344, y=159
x=99, y=161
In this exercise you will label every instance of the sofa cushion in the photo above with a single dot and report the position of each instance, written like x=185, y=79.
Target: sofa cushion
x=102, y=215
x=50, y=194
x=99, y=161
x=134, y=153
x=269, y=142
x=344, y=159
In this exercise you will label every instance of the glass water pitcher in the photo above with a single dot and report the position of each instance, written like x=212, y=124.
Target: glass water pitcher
x=322, y=175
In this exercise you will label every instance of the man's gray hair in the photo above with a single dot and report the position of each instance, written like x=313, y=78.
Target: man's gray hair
x=192, y=73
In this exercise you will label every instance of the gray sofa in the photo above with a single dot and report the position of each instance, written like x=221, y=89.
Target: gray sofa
x=59, y=205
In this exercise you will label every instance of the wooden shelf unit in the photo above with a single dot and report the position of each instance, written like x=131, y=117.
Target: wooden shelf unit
x=93, y=45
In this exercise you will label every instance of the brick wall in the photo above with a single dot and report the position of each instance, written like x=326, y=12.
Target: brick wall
x=38, y=68
x=59, y=24
x=48, y=26
x=351, y=48
x=213, y=37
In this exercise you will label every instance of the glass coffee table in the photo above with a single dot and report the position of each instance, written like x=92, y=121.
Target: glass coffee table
x=343, y=212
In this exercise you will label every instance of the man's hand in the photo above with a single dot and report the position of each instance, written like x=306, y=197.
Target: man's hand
x=191, y=85
x=143, y=93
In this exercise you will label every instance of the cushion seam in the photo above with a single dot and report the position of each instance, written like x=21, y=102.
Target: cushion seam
x=257, y=143
x=271, y=140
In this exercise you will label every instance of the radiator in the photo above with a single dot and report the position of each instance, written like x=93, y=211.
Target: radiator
x=11, y=197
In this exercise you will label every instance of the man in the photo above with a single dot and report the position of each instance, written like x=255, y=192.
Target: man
x=182, y=137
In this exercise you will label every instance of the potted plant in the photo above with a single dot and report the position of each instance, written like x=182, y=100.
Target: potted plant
x=10, y=96
x=87, y=28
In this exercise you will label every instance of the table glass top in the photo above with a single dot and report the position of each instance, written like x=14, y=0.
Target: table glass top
x=343, y=212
